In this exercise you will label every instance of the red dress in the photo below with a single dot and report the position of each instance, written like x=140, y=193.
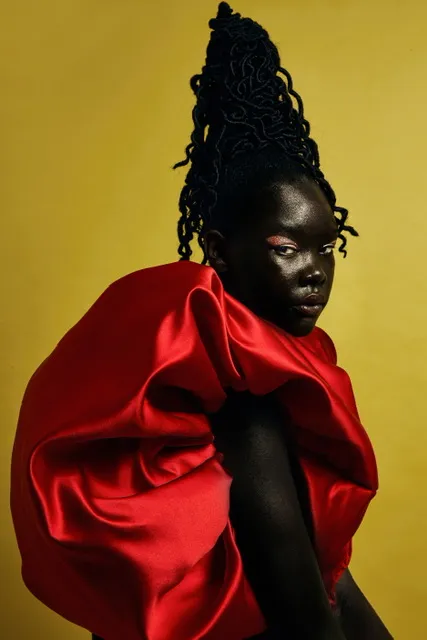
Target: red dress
x=119, y=499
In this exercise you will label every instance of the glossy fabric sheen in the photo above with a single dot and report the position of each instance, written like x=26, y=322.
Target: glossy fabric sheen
x=119, y=499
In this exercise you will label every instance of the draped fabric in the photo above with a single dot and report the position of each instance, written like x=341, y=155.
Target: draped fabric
x=119, y=499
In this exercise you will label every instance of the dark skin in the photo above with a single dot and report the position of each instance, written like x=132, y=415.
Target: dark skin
x=280, y=256
x=280, y=264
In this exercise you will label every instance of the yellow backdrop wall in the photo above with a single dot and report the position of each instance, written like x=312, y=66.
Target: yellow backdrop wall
x=95, y=109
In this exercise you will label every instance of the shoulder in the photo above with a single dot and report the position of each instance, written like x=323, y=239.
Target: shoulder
x=181, y=275
x=136, y=304
x=167, y=284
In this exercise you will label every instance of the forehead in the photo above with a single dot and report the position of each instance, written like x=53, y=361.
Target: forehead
x=299, y=209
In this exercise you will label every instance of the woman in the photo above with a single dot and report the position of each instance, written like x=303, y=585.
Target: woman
x=189, y=462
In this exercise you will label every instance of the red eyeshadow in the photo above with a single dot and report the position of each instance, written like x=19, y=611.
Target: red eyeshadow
x=277, y=241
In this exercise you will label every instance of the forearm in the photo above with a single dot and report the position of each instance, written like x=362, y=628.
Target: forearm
x=288, y=586
x=358, y=618
x=276, y=550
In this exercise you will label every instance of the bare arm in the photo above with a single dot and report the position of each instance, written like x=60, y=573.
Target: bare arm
x=358, y=618
x=271, y=534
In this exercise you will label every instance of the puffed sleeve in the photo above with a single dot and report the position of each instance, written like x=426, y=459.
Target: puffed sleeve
x=119, y=499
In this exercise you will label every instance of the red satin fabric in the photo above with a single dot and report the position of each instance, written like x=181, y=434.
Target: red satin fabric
x=119, y=500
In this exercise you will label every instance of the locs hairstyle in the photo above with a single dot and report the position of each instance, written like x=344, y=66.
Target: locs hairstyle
x=249, y=132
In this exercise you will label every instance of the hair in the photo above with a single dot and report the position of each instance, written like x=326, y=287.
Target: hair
x=249, y=133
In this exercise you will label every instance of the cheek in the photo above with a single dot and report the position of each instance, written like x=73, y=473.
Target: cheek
x=247, y=274
x=252, y=264
x=285, y=285
x=265, y=280
x=287, y=273
x=281, y=281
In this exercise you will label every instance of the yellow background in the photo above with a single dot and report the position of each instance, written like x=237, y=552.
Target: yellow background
x=95, y=109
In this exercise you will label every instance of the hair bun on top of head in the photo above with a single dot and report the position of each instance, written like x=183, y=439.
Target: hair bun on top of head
x=242, y=64
x=226, y=18
x=245, y=106
x=224, y=11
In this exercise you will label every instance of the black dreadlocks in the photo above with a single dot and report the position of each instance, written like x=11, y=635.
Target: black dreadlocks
x=247, y=115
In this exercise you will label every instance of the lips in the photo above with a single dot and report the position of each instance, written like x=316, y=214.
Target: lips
x=314, y=298
x=309, y=310
x=311, y=307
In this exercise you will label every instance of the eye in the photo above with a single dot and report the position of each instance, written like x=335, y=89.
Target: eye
x=328, y=249
x=285, y=250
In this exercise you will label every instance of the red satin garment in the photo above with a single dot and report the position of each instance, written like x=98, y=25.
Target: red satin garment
x=119, y=499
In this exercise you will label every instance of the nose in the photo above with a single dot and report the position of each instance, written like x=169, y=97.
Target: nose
x=313, y=275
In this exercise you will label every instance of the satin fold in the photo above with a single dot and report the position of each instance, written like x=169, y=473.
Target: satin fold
x=119, y=499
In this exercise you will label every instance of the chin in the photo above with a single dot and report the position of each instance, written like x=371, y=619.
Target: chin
x=295, y=326
x=300, y=329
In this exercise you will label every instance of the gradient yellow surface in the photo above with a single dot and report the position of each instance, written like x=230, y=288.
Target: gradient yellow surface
x=95, y=109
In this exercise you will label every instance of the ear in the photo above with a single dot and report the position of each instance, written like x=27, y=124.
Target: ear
x=215, y=250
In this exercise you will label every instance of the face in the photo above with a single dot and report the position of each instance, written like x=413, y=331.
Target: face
x=280, y=264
